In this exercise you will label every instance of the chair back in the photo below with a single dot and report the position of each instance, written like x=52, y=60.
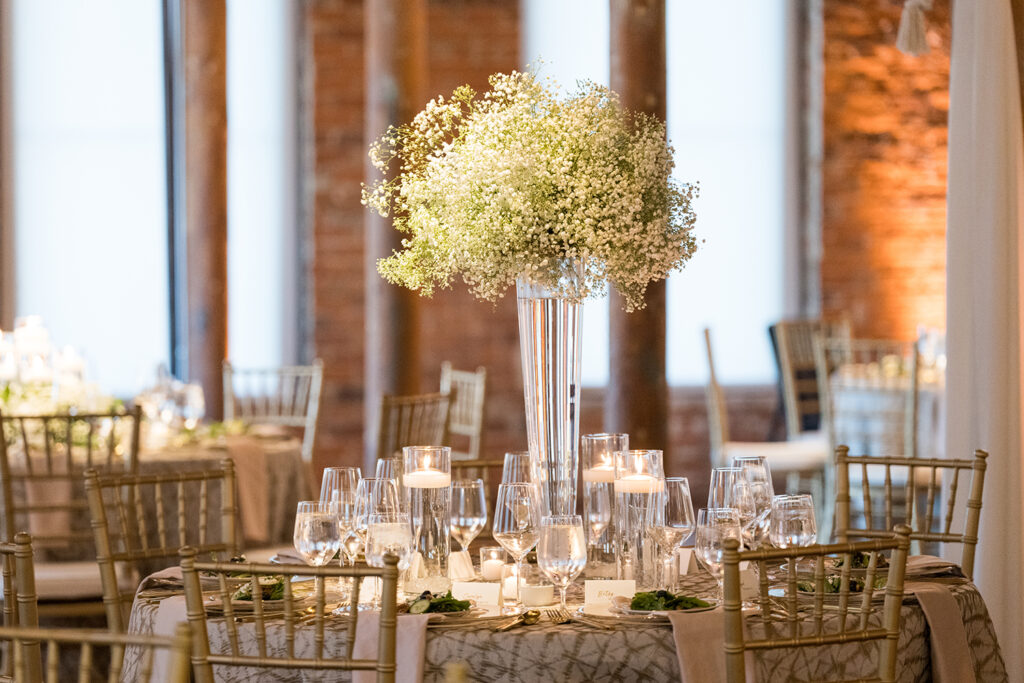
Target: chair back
x=809, y=613
x=466, y=421
x=417, y=420
x=794, y=345
x=897, y=490
x=20, y=602
x=301, y=612
x=196, y=509
x=25, y=640
x=718, y=418
x=42, y=460
x=870, y=393
x=288, y=396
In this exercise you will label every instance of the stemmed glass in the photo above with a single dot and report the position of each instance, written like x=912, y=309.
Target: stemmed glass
x=394, y=468
x=754, y=471
x=317, y=535
x=562, y=550
x=714, y=526
x=723, y=487
x=469, y=510
x=515, y=523
x=516, y=469
x=671, y=522
x=339, y=490
x=598, y=509
x=388, y=532
x=374, y=496
x=792, y=521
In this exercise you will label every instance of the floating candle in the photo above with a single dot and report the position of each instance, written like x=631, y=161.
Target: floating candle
x=490, y=570
x=604, y=474
x=426, y=479
x=638, y=483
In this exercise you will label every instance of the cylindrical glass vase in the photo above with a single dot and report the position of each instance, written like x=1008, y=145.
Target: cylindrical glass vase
x=639, y=478
x=427, y=478
x=597, y=453
x=549, y=338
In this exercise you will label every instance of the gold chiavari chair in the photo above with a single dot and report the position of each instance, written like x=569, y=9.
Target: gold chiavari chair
x=288, y=396
x=20, y=607
x=802, y=617
x=308, y=612
x=800, y=460
x=417, y=420
x=466, y=421
x=925, y=483
x=42, y=461
x=794, y=344
x=138, y=520
x=176, y=669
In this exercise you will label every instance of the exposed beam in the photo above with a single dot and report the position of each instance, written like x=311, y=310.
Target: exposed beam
x=637, y=400
x=204, y=41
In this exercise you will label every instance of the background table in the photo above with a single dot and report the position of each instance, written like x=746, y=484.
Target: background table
x=569, y=653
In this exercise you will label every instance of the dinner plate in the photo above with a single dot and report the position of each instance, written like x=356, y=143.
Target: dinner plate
x=621, y=608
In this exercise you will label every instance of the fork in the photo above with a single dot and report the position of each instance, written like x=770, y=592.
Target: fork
x=561, y=616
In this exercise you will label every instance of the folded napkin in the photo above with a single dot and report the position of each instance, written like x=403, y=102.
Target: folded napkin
x=410, y=644
x=169, y=614
x=700, y=647
x=251, y=475
x=929, y=565
x=951, y=655
x=162, y=579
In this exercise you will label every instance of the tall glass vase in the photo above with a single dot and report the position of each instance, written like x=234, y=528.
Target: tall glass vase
x=549, y=339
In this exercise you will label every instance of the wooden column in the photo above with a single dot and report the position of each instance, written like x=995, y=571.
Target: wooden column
x=1017, y=8
x=204, y=41
x=396, y=75
x=637, y=400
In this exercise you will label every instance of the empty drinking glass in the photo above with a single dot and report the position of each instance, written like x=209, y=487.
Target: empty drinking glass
x=394, y=468
x=792, y=521
x=671, y=522
x=374, y=496
x=755, y=472
x=390, y=532
x=714, y=526
x=317, y=536
x=516, y=468
x=515, y=523
x=469, y=510
x=722, y=489
x=562, y=550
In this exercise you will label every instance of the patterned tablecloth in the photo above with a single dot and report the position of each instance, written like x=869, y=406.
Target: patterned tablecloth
x=571, y=652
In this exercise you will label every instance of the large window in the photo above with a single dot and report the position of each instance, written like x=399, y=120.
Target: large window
x=726, y=110
x=90, y=216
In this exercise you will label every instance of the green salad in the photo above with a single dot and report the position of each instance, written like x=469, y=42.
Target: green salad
x=271, y=588
x=834, y=582
x=861, y=560
x=665, y=600
x=433, y=604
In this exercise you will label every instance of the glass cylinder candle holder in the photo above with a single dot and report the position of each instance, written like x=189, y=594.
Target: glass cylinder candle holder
x=598, y=464
x=492, y=559
x=639, y=478
x=427, y=479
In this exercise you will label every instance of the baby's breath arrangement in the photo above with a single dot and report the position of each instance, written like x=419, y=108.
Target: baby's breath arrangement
x=521, y=182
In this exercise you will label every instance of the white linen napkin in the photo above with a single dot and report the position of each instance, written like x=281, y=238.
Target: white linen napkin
x=929, y=565
x=951, y=654
x=169, y=614
x=251, y=474
x=700, y=647
x=410, y=646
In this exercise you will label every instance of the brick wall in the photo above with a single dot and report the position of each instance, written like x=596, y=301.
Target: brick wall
x=884, y=170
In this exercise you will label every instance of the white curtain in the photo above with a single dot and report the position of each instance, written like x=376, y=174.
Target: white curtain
x=983, y=297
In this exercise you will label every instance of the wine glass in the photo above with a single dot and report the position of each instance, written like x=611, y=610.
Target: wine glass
x=469, y=510
x=792, y=521
x=723, y=485
x=388, y=532
x=394, y=468
x=671, y=522
x=515, y=523
x=339, y=483
x=516, y=469
x=755, y=471
x=374, y=495
x=338, y=489
x=317, y=535
x=562, y=550
x=714, y=526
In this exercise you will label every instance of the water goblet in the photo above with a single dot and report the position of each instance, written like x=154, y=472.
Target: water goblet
x=671, y=522
x=714, y=526
x=516, y=468
x=389, y=532
x=562, y=550
x=317, y=535
x=792, y=521
x=469, y=510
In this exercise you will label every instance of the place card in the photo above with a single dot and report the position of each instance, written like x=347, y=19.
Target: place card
x=480, y=592
x=598, y=594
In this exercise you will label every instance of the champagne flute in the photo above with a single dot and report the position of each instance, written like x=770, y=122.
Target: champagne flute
x=516, y=469
x=469, y=510
x=671, y=522
x=562, y=550
x=714, y=526
x=792, y=521
x=389, y=532
x=515, y=523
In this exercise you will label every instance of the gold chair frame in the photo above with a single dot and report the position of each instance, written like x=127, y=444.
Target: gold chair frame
x=415, y=420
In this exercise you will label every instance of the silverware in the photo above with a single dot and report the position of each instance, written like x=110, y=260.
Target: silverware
x=561, y=616
x=527, y=618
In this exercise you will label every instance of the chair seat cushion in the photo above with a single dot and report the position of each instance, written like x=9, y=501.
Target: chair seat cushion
x=784, y=456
